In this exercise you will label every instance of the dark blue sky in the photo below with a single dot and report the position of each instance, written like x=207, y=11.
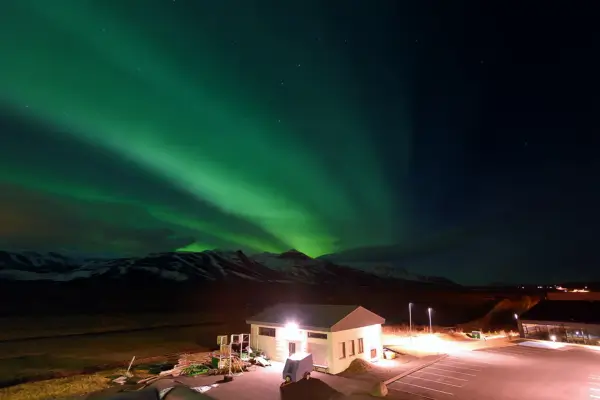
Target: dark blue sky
x=462, y=135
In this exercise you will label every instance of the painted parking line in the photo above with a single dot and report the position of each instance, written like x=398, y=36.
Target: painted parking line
x=453, y=360
x=534, y=350
x=499, y=352
x=424, y=387
x=490, y=350
x=458, y=367
x=449, y=370
x=475, y=358
x=434, y=381
x=521, y=349
x=445, y=376
x=513, y=352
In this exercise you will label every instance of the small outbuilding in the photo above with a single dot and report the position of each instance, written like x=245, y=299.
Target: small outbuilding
x=334, y=334
x=570, y=321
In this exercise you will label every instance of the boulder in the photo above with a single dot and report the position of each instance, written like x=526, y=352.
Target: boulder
x=379, y=390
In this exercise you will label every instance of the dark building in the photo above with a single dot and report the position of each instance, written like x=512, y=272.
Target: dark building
x=570, y=321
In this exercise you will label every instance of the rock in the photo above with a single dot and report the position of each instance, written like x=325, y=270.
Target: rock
x=379, y=390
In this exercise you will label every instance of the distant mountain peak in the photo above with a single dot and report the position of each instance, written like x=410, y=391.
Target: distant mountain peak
x=208, y=266
x=295, y=254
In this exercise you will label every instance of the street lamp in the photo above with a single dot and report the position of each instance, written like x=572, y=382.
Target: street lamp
x=516, y=317
x=430, y=326
x=410, y=319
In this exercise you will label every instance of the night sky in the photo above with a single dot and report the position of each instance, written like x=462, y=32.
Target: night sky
x=464, y=138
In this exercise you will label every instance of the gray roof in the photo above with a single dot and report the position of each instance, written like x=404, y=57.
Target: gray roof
x=305, y=315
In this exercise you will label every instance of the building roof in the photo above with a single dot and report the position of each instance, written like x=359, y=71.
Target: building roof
x=579, y=311
x=315, y=316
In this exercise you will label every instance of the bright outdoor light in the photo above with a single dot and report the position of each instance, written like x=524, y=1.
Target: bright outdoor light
x=553, y=338
x=516, y=316
x=292, y=326
x=291, y=331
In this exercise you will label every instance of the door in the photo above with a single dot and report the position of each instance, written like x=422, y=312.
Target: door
x=319, y=353
x=292, y=348
x=373, y=353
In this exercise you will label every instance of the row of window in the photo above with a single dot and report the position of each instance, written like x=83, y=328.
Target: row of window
x=264, y=331
x=351, y=348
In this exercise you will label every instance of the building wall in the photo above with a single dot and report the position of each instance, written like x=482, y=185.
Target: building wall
x=561, y=332
x=277, y=348
x=265, y=343
x=371, y=336
x=358, y=318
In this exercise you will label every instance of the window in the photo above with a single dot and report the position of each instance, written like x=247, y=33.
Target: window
x=352, y=349
x=317, y=335
x=264, y=331
x=342, y=350
x=361, y=346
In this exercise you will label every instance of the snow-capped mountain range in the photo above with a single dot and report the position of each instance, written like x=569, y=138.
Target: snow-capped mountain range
x=208, y=266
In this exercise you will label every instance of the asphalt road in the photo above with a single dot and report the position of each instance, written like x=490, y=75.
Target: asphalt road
x=504, y=373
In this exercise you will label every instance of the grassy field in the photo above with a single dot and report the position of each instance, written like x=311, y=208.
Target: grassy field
x=65, y=356
x=57, y=389
x=65, y=359
x=42, y=326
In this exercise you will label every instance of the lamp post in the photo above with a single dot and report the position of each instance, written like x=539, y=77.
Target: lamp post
x=430, y=325
x=410, y=320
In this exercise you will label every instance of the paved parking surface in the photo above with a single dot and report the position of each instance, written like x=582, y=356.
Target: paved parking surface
x=501, y=373
x=526, y=371
x=594, y=385
x=442, y=380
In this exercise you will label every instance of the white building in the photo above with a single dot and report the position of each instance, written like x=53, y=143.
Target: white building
x=334, y=334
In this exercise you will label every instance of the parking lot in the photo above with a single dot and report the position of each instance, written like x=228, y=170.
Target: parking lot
x=525, y=371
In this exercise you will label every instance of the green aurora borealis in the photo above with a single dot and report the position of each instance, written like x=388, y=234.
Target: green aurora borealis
x=163, y=125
